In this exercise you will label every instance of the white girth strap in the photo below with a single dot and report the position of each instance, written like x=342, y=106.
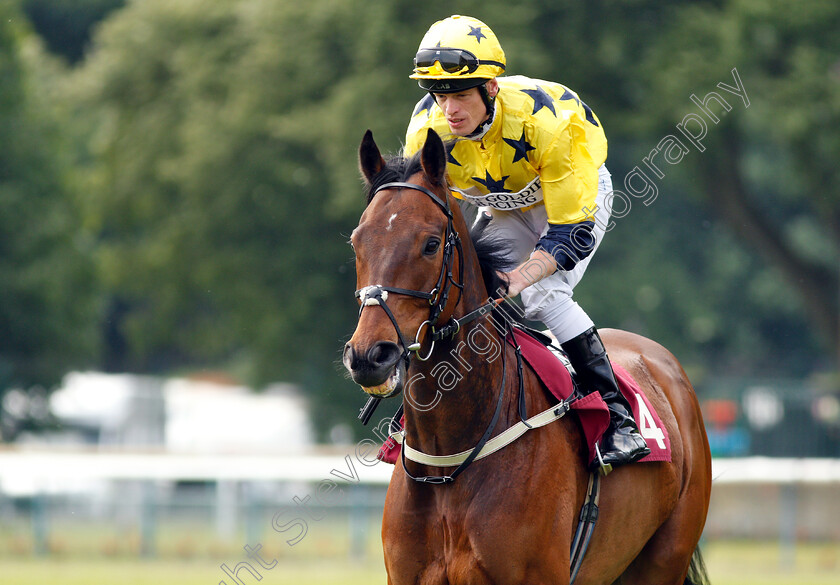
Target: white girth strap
x=498, y=442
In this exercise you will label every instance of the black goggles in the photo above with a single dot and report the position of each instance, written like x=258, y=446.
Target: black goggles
x=451, y=60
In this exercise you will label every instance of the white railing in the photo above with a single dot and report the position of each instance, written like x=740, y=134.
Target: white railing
x=754, y=497
x=23, y=470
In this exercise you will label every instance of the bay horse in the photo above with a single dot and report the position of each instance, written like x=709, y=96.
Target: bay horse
x=509, y=518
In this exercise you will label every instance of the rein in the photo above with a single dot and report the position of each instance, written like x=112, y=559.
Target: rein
x=474, y=453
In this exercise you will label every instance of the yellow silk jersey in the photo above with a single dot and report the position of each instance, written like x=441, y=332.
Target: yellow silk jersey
x=544, y=146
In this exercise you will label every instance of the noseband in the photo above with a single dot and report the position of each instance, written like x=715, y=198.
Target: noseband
x=438, y=297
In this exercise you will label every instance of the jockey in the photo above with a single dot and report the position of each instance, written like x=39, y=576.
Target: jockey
x=531, y=153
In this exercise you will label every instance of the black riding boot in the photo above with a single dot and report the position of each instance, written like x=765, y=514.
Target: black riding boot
x=622, y=442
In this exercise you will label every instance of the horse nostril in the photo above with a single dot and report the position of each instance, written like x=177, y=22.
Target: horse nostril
x=347, y=356
x=384, y=354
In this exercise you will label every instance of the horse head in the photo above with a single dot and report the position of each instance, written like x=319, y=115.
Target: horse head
x=409, y=263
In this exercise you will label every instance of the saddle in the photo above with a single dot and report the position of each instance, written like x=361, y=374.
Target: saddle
x=557, y=375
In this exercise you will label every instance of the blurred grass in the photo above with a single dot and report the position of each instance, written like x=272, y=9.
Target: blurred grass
x=729, y=563
x=763, y=563
x=34, y=571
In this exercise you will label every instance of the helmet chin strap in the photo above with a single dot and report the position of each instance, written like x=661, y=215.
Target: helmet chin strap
x=488, y=101
x=482, y=128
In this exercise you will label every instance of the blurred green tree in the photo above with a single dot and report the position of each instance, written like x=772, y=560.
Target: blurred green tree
x=47, y=299
x=768, y=172
x=223, y=182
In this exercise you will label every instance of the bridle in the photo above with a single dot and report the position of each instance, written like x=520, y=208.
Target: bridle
x=438, y=297
x=377, y=294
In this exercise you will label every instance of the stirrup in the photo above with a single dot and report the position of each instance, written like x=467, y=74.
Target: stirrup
x=603, y=468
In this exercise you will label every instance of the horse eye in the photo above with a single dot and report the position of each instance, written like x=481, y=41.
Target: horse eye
x=432, y=246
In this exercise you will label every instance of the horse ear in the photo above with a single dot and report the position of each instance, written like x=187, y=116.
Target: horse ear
x=433, y=158
x=371, y=162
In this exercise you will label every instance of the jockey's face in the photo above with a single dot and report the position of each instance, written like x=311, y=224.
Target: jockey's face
x=465, y=110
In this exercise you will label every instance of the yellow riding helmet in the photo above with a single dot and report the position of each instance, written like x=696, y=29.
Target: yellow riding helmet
x=457, y=53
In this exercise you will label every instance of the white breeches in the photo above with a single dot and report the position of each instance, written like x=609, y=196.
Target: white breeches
x=550, y=300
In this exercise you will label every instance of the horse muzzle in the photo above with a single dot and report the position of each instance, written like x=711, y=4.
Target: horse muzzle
x=380, y=370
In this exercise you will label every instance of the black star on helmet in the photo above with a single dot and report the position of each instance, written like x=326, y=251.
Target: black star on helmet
x=492, y=185
x=475, y=31
x=520, y=147
x=541, y=99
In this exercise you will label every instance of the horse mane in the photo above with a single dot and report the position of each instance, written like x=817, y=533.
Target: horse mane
x=492, y=259
x=490, y=250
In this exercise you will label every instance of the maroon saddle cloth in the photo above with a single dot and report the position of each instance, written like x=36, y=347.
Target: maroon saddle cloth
x=591, y=409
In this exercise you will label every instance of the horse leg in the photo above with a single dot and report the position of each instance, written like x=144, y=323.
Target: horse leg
x=665, y=558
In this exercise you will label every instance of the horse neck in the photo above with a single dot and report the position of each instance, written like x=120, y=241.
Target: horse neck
x=451, y=398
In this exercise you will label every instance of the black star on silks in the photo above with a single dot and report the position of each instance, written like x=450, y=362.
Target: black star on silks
x=541, y=100
x=492, y=184
x=567, y=95
x=590, y=117
x=450, y=158
x=520, y=147
x=425, y=104
x=475, y=31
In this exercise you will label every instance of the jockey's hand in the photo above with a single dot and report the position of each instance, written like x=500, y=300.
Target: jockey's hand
x=540, y=265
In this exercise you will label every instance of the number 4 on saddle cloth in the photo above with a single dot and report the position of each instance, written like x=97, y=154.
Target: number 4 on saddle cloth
x=591, y=409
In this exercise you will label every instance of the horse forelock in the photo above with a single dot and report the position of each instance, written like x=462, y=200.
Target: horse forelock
x=397, y=169
x=401, y=168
